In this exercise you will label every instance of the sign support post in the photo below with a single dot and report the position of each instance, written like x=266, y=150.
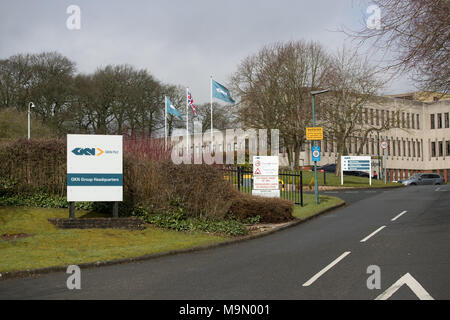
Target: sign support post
x=71, y=210
x=116, y=209
x=384, y=146
x=316, y=186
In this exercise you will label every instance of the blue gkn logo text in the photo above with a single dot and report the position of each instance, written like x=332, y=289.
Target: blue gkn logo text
x=87, y=151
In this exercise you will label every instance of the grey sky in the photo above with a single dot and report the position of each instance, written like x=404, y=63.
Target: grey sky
x=179, y=42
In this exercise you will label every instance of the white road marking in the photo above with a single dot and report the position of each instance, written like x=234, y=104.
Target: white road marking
x=351, y=191
x=372, y=234
x=437, y=189
x=412, y=283
x=399, y=215
x=331, y=265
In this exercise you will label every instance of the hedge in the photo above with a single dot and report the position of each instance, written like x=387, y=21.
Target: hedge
x=151, y=185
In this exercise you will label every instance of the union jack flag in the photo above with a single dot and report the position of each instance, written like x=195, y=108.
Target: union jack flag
x=191, y=102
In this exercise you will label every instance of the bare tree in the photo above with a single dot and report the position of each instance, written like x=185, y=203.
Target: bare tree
x=417, y=32
x=274, y=87
x=353, y=86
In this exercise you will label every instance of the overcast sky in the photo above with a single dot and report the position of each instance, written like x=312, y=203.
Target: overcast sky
x=179, y=42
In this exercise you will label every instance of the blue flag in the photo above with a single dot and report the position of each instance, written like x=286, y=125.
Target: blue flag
x=172, y=110
x=220, y=92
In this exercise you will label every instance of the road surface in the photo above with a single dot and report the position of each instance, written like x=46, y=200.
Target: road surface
x=403, y=232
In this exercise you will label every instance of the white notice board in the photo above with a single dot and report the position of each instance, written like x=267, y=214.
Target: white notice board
x=94, y=168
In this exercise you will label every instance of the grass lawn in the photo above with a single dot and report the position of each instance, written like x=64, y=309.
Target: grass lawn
x=48, y=246
x=310, y=208
x=45, y=246
x=349, y=181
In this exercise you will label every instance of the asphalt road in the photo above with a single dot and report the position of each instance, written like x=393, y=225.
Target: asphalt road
x=323, y=258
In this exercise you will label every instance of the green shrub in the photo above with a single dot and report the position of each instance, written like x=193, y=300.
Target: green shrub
x=35, y=171
x=41, y=200
x=228, y=226
x=35, y=166
x=162, y=187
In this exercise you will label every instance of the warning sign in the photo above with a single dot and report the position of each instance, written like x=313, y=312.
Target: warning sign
x=315, y=133
x=265, y=165
x=265, y=176
x=265, y=183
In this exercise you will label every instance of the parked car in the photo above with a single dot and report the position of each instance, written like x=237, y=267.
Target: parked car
x=331, y=167
x=423, y=179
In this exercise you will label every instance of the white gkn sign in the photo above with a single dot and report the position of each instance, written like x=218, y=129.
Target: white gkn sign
x=94, y=168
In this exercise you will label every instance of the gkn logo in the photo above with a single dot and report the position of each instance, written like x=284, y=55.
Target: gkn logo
x=88, y=151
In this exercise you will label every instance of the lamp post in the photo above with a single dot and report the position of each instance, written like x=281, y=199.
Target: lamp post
x=30, y=105
x=316, y=187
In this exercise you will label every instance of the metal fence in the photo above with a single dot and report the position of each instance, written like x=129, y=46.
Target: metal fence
x=290, y=182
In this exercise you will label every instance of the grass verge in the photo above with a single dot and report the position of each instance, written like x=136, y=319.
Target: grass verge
x=349, y=181
x=310, y=208
x=47, y=246
x=34, y=243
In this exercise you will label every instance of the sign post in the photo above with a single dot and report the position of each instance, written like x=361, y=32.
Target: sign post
x=94, y=170
x=384, y=146
x=265, y=176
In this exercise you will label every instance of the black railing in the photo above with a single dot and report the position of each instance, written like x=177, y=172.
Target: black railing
x=290, y=182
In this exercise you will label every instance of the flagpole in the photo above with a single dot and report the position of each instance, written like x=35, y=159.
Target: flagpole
x=188, y=150
x=165, y=121
x=211, y=114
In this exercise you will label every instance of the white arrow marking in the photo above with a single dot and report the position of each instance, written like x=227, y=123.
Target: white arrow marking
x=412, y=283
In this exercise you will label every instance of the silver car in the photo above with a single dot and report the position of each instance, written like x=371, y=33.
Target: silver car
x=423, y=179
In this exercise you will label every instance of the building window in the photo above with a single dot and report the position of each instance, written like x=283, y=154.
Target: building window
x=389, y=148
x=371, y=117
x=393, y=119
x=441, y=148
x=432, y=121
x=418, y=122
x=393, y=148
x=418, y=149
x=446, y=119
x=412, y=121
x=414, y=149
x=403, y=120
x=439, y=118
x=409, y=149
x=378, y=116
x=407, y=120
x=404, y=148
x=382, y=117
x=433, y=149
x=448, y=149
x=366, y=116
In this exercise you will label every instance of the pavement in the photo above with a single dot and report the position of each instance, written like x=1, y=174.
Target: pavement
x=403, y=234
